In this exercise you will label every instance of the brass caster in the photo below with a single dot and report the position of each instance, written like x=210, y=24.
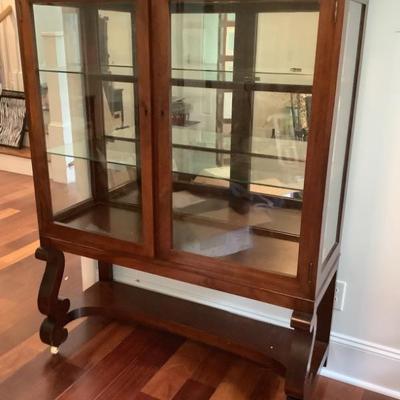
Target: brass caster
x=54, y=350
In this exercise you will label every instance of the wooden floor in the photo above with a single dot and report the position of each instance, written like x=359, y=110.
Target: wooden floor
x=102, y=359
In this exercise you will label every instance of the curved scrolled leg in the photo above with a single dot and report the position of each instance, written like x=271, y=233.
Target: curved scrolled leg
x=297, y=373
x=52, y=330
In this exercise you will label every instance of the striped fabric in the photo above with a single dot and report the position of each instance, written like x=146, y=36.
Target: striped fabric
x=12, y=118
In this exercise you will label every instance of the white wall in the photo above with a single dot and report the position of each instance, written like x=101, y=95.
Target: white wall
x=371, y=236
x=366, y=343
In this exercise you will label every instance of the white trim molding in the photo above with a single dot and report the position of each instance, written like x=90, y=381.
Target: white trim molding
x=364, y=345
x=359, y=383
x=365, y=364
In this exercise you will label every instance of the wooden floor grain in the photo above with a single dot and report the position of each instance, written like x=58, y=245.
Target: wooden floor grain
x=102, y=359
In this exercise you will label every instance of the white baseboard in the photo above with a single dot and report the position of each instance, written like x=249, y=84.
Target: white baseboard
x=351, y=360
x=395, y=394
x=361, y=363
x=18, y=165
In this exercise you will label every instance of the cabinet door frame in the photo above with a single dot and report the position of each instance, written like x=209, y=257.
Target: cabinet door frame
x=49, y=230
x=215, y=273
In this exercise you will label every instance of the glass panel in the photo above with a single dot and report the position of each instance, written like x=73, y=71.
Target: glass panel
x=68, y=192
x=56, y=50
x=58, y=31
x=91, y=126
x=241, y=110
x=115, y=37
x=119, y=109
x=72, y=199
x=286, y=56
x=341, y=130
x=288, y=53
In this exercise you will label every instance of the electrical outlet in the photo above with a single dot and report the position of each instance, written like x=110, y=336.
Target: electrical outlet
x=340, y=294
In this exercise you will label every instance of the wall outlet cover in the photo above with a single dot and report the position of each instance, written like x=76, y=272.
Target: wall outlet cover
x=340, y=294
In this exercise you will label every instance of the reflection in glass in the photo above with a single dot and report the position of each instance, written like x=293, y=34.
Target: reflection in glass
x=119, y=109
x=58, y=33
x=72, y=199
x=115, y=42
x=290, y=47
x=91, y=126
x=241, y=117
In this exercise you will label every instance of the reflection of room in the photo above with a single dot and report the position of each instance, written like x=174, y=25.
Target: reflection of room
x=276, y=115
x=240, y=147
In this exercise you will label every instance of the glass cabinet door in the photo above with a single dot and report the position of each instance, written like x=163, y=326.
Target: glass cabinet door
x=241, y=104
x=87, y=56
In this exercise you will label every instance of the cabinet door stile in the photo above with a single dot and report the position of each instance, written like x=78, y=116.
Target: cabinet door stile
x=142, y=36
x=160, y=79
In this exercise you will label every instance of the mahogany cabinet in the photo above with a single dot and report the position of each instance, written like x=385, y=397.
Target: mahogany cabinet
x=201, y=140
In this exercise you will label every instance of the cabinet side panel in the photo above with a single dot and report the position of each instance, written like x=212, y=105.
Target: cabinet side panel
x=342, y=128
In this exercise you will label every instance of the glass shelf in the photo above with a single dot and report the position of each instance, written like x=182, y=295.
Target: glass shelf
x=256, y=78
x=220, y=176
x=202, y=209
x=197, y=77
x=120, y=152
x=285, y=149
x=118, y=70
x=264, y=172
x=285, y=175
x=106, y=72
x=66, y=68
x=124, y=134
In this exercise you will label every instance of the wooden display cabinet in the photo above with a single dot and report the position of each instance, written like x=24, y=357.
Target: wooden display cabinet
x=242, y=194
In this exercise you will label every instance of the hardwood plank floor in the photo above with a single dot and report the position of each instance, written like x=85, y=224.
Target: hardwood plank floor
x=104, y=359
